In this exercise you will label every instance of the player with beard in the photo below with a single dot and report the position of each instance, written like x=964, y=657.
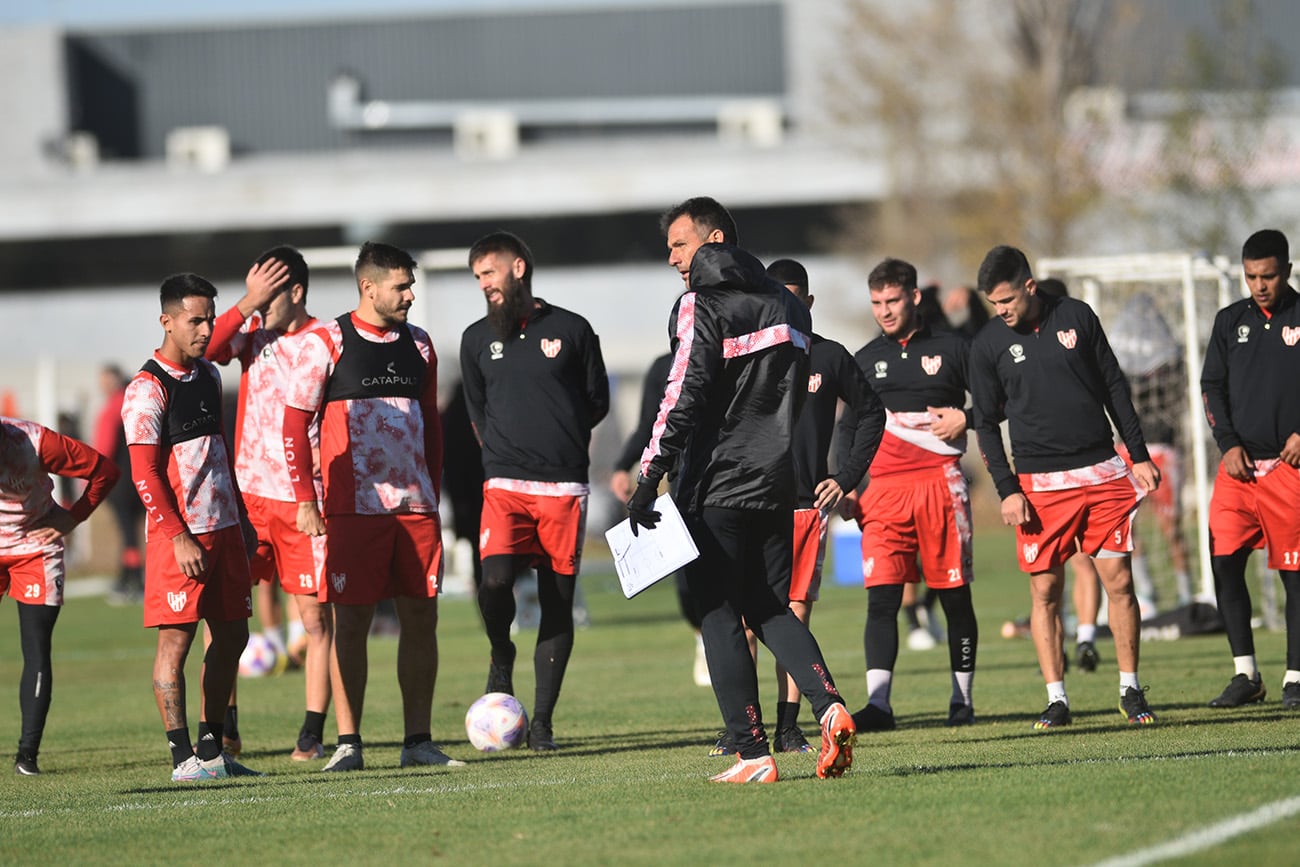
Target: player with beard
x=917, y=503
x=535, y=386
x=373, y=379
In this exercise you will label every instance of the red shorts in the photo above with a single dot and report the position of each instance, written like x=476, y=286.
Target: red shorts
x=809, y=554
x=923, y=514
x=1258, y=514
x=374, y=557
x=1164, y=500
x=1091, y=518
x=34, y=579
x=536, y=525
x=221, y=593
x=281, y=549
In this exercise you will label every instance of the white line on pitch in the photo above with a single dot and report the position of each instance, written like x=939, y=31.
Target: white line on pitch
x=1204, y=838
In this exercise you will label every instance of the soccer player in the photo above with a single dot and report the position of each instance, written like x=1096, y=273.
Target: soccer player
x=621, y=482
x=1248, y=382
x=373, y=379
x=726, y=424
x=32, y=527
x=917, y=502
x=262, y=331
x=535, y=386
x=128, y=514
x=196, y=564
x=1044, y=364
x=832, y=377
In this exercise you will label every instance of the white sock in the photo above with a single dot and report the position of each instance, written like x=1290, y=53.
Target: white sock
x=1291, y=676
x=1246, y=665
x=879, y=681
x=1128, y=679
x=961, y=687
x=1056, y=692
x=1086, y=632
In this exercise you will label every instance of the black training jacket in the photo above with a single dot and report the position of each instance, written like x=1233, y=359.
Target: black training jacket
x=739, y=375
x=1059, y=386
x=1250, y=377
x=834, y=376
x=534, y=398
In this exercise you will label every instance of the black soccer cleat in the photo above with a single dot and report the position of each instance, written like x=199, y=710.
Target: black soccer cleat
x=1054, y=716
x=874, y=719
x=724, y=747
x=1241, y=690
x=25, y=765
x=1291, y=695
x=1085, y=654
x=792, y=740
x=540, y=738
x=960, y=715
x=1135, y=708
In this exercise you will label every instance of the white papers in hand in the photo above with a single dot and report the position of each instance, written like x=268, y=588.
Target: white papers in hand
x=643, y=559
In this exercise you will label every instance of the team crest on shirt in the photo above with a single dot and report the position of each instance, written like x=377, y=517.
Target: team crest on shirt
x=176, y=601
x=868, y=566
x=1243, y=333
x=1031, y=551
x=338, y=580
x=1290, y=335
x=882, y=369
x=814, y=383
x=550, y=348
x=1068, y=338
x=496, y=347
x=1017, y=353
x=931, y=363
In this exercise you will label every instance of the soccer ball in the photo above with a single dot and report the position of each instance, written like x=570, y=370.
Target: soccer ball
x=260, y=657
x=496, y=722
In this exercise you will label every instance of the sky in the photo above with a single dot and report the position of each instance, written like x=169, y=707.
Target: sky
x=163, y=12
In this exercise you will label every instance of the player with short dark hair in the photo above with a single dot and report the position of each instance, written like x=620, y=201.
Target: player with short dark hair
x=916, y=505
x=32, y=529
x=832, y=377
x=263, y=330
x=1045, y=366
x=725, y=426
x=1248, y=382
x=196, y=563
x=535, y=386
x=373, y=379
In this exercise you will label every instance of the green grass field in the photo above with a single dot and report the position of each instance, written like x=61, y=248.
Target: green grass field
x=630, y=785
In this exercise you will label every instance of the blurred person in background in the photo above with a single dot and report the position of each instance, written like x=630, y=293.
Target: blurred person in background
x=123, y=503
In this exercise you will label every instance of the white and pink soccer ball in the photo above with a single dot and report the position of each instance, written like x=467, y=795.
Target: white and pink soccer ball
x=496, y=722
x=261, y=658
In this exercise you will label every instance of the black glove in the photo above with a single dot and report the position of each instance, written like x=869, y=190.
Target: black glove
x=640, y=509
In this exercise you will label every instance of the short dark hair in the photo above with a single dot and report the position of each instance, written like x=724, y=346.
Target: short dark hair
x=790, y=273
x=293, y=260
x=705, y=213
x=1053, y=288
x=176, y=288
x=383, y=257
x=1003, y=264
x=892, y=272
x=1267, y=244
x=503, y=242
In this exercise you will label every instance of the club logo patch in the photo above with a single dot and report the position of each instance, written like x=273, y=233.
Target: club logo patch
x=931, y=363
x=814, y=383
x=1290, y=335
x=1031, y=551
x=176, y=601
x=1017, y=353
x=1243, y=333
x=1068, y=338
x=338, y=580
x=882, y=369
x=495, y=348
x=550, y=348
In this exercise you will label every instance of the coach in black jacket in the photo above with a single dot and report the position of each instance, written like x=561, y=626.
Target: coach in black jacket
x=739, y=375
